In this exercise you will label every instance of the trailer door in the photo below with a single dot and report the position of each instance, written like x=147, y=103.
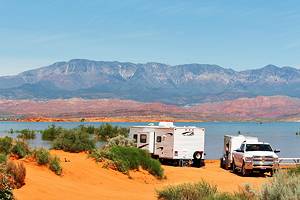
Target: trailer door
x=145, y=140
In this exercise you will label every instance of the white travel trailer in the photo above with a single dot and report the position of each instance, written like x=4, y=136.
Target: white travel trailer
x=180, y=145
x=231, y=143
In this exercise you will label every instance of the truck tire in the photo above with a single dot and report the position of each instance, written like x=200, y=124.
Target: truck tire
x=222, y=163
x=233, y=166
x=244, y=171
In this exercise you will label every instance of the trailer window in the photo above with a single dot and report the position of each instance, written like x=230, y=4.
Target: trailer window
x=135, y=138
x=158, y=139
x=143, y=138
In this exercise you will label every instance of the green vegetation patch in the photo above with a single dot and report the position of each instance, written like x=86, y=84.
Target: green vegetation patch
x=129, y=158
x=55, y=166
x=74, y=140
x=42, y=156
x=282, y=186
x=107, y=131
x=51, y=133
x=6, y=144
x=26, y=134
x=20, y=149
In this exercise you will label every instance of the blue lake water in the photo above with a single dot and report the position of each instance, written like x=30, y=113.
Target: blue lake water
x=282, y=135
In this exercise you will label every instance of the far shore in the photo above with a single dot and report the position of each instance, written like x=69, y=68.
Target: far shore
x=139, y=119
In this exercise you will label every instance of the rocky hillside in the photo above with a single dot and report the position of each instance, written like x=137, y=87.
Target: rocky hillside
x=259, y=108
x=150, y=82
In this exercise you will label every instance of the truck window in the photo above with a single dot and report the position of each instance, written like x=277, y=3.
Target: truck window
x=158, y=139
x=135, y=138
x=143, y=138
x=258, y=147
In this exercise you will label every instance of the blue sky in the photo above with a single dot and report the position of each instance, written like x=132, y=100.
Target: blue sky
x=234, y=34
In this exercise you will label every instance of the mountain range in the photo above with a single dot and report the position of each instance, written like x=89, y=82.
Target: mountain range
x=186, y=84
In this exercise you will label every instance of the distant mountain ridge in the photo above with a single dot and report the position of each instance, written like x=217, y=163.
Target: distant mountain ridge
x=150, y=82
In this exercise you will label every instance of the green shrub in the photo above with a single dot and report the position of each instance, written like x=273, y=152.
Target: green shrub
x=18, y=172
x=293, y=171
x=54, y=165
x=3, y=158
x=6, y=187
x=42, y=156
x=89, y=129
x=26, y=134
x=128, y=158
x=74, y=140
x=6, y=145
x=51, y=132
x=202, y=191
x=6, y=194
x=20, y=149
x=188, y=191
x=99, y=154
x=107, y=131
x=283, y=186
x=120, y=140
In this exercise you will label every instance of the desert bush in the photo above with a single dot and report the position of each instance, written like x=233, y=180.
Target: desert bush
x=283, y=186
x=294, y=171
x=202, y=191
x=188, y=191
x=6, y=145
x=120, y=140
x=107, y=131
x=74, y=140
x=89, y=129
x=51, y=132
x=42, y=156
x=20, y=149
x=54, y=165
x=26, y=134
x=3, y=158
x=18, y=172
x=128, y=158
x=99, y=154
x=6, y=187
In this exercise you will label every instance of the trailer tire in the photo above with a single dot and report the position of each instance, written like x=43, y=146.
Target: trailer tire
x=197, y=158
x=197, y=155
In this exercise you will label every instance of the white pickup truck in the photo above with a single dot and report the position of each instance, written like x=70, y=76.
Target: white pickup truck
x=255, y=156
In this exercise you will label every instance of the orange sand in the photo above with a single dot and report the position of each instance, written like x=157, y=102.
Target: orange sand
x=84, y=179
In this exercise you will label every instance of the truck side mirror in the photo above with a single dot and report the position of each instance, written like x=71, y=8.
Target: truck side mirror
x=276, y=150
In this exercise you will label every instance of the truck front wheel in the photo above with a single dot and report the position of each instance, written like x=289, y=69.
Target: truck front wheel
x=245, y=172
x=233, y=166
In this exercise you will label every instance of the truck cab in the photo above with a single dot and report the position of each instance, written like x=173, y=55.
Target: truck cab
x=255, y=156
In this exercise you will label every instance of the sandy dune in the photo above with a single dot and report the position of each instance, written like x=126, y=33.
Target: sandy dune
x=84, y=179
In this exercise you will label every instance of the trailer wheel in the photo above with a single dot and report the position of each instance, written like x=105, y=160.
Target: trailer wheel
x=197, y=158
x=197, y=155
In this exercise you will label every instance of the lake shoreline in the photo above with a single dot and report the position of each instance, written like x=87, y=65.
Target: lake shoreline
x=137, y=119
